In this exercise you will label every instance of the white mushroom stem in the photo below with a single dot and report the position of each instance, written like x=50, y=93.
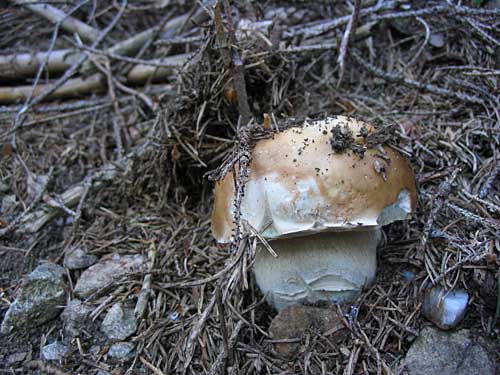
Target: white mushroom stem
x=331, y=266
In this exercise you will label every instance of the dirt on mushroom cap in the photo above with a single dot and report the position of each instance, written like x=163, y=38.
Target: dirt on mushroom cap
x=298, y=184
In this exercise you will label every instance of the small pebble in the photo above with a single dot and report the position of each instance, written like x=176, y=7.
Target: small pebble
x=121, y=351
x=16, y=357
x=75, y=317
x=119, y=323
x=76, y=258
x=445, y=310
x=55, y=351
x=437, y=40
x=8, y=204
x=3, y=187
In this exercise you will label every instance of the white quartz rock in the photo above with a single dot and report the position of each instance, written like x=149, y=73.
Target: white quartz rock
x=444, y=309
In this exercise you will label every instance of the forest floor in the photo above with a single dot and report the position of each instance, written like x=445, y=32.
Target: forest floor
x=106, y=143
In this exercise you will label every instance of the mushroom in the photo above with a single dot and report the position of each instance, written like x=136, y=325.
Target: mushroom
x=319, y=208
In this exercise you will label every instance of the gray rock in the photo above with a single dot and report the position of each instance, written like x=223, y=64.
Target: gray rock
x=3, y=187
x=16, y=358
x=75, y=317
x=39, y=299
x=104, y=272
x=55, y=351
x=76, y=258
x=119, y=323
x=8, y=204
x=103, y=372
x=294, y=321
x=447, y=353
x=437, y=40
x=121, y=351
x=444, y=309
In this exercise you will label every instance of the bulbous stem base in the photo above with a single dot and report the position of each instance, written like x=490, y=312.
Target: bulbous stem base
x=332, y=266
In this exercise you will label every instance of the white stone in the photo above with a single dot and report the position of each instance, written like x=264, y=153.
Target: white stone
x=446, y=310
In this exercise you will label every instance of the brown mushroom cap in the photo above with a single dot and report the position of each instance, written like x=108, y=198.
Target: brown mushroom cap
x=297, y=185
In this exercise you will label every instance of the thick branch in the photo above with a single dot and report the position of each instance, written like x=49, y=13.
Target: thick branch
x=94, y=84
x=131, y=45
x=24, y=65
x=142, y=72
x=71, y=89
x=55, y=15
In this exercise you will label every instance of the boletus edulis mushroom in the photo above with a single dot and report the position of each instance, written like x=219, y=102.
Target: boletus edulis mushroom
x=319, y=195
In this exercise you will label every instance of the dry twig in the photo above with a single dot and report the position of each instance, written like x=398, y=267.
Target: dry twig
x=55, y=15
x=351, y=26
